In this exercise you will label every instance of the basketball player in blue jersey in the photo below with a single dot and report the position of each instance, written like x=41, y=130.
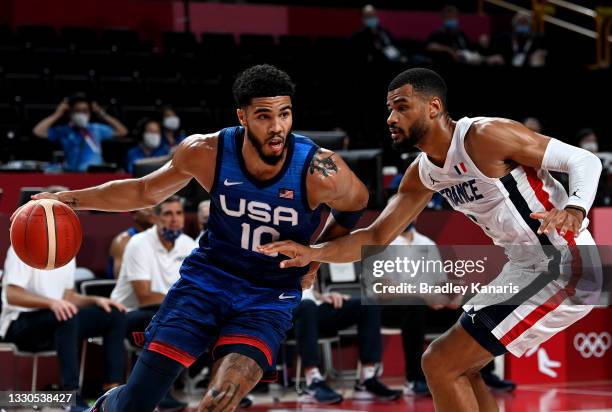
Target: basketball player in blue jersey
x=266, y=184
x=496, y=171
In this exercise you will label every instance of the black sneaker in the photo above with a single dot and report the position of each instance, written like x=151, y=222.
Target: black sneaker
x=495, y=383
x=374, y=389
x=171, y=404
x=319, y=392
x=416, y=388
x=98, y=406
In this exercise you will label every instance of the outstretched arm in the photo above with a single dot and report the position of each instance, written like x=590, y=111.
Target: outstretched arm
x=511, y=141
x=147, y=191
x=401, y=210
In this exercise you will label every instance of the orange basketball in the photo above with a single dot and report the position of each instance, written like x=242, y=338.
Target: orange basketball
x=46, y=234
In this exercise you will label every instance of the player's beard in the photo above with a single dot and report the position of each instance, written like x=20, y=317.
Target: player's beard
x=413, y=137
x=271, y=160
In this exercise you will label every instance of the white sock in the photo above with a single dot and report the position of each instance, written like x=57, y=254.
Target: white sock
x=367, y=372
x=312, y=375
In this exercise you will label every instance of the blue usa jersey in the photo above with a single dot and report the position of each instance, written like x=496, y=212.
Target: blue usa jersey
x=246, y=213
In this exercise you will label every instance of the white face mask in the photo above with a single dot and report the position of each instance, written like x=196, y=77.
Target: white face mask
x=590, y=146
x=80, y=119
x=172, y=122
x=151, y=140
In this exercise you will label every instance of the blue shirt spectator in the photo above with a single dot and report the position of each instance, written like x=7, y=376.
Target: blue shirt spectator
x=172, y=135
x=137, y=153
x=82, y=146
x=150, y=144
x=81, y=139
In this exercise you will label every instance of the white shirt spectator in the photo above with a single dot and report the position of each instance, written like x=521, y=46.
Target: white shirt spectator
x=146, y=258
x=48, y=283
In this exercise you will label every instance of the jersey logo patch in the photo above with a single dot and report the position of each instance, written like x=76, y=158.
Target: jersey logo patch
x=282, y=296
x=285, y=193
x=460, y=168
x=226, y=182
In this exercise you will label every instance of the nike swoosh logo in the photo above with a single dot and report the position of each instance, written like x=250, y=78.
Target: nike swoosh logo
x=282, y=296
x=228, y=183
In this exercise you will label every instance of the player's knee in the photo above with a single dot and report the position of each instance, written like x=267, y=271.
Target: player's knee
x=433, y=363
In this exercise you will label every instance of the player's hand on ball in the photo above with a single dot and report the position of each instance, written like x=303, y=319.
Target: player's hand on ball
x=299, y=255
x=567, y=220
x=107, y=304
x=63, y=309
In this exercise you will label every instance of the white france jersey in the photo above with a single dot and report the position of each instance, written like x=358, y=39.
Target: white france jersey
x=500, y=206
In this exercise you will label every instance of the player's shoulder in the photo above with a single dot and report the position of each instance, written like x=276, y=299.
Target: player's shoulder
x=325, y=168
x=491, y=126
x=200, y=142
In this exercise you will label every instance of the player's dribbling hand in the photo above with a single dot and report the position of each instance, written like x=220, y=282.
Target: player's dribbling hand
x=567, y=220
x=299, y=255
x=63, y=310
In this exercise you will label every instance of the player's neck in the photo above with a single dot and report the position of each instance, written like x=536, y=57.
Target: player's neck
x=257, y=167
x=438, y=140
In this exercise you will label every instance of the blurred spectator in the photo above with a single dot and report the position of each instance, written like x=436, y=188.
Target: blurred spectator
x=150, y=144
x=533, y=124
x=150, y=266
x=172, y=134
x=521, y=47
x=450, y=42
x=587, y=140
x=41, y=311
x=326, y=314
x=81, y=139
x=373, y=41
x=203, y=213
x=143, y=219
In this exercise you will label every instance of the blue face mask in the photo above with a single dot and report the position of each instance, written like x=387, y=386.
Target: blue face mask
x=451, y=24
x=371, y=22
x=170, y=235
x=522, y=29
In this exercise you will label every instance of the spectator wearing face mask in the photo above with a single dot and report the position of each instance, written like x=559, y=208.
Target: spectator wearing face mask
x=80, y=138
x=521, y=47
x=150, y=145
x=449, y=42
x=172, y=134
x=373, y=41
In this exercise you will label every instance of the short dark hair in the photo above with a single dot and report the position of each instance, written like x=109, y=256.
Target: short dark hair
x=263, y=80
x=77, y=98
x=423, y=81
x=171, y=199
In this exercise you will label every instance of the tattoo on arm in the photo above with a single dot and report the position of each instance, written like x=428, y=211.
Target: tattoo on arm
x=324, y=165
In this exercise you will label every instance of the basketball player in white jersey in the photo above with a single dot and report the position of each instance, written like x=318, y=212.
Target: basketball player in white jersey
x=496, y=172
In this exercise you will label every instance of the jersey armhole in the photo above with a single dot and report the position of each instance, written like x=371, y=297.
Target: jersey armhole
x=219, y=159
x=305, y=167
x=419, y=166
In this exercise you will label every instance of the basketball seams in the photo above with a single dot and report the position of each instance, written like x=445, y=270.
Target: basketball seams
x=51, y=233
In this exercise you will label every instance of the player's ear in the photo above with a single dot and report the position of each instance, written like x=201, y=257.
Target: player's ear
x=241, y=113
x=435, y=108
